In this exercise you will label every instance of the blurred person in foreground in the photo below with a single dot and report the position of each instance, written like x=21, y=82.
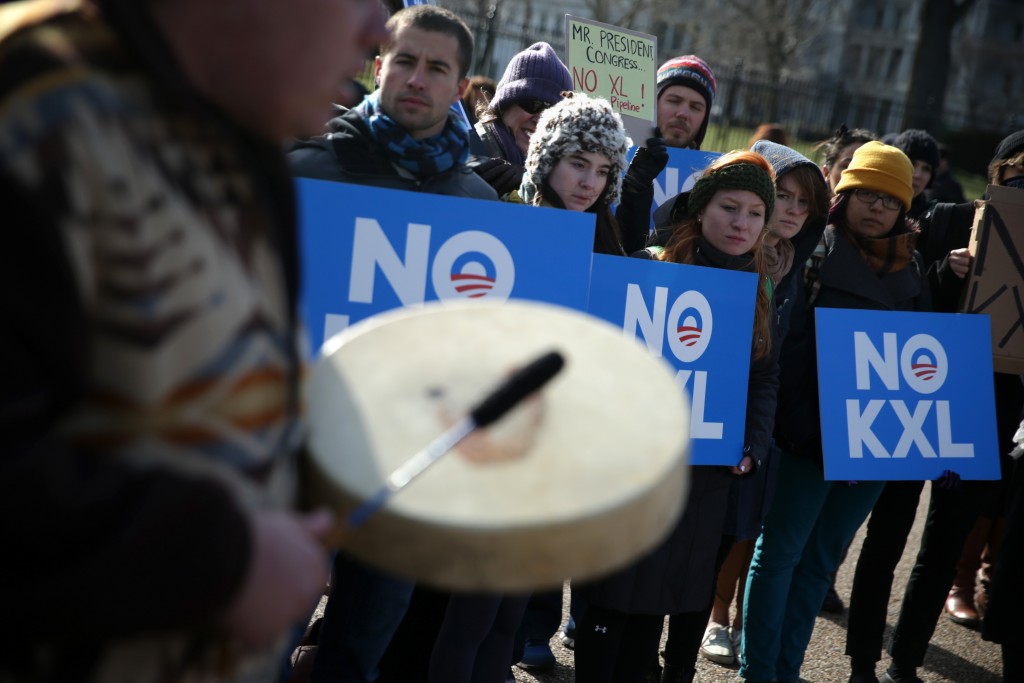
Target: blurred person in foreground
x=403, y=136
x=151, y=402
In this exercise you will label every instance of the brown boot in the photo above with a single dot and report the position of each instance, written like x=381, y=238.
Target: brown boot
x=987, y=560
x=960, y=607
x=960, y=604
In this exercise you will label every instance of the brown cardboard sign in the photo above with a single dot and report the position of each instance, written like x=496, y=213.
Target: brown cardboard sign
x=995, y=284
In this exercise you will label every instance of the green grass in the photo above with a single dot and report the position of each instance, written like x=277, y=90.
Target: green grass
x=727, y=138
x=974, y=183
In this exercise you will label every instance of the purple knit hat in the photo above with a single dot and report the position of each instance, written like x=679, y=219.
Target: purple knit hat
x=536, y=73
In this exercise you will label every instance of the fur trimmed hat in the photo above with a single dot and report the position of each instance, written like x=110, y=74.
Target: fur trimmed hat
x=576, y=124
x=536, y=73
x=882, y=168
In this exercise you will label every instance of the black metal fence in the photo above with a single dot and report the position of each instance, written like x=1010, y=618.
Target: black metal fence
x=808, y=109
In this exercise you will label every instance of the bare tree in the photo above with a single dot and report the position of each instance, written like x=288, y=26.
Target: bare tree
x=626, y=13
x=484, y=17
x=927, y=93
x=771, y=33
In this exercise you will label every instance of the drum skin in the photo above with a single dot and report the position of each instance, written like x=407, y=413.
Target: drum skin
x=579, y=480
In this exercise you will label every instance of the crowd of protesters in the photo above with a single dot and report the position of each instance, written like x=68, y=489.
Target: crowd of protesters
x=150, y=214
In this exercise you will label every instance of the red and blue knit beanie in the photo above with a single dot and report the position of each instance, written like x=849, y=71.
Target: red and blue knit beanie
x=691, y=71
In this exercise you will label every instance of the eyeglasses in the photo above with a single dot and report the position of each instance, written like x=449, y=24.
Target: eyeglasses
x=534, y=107
x=870, y=197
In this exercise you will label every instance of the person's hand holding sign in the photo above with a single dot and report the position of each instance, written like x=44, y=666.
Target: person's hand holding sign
x=959, y=262
x=647, y=164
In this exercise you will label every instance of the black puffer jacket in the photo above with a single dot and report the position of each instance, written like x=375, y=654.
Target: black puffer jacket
x=679, y=575
x=349, y=153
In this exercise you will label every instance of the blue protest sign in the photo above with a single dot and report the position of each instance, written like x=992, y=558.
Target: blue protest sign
x=366, y=250
x=684, y=165
x=701, y=321
x=905, y=395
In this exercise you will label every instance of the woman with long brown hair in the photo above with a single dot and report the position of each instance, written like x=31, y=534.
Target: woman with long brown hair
x=617, y=640
x=791, y=234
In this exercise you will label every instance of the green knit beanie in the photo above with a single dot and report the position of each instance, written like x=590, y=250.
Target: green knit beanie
x=732, y=177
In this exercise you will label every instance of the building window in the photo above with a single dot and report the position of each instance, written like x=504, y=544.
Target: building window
x=873, y=69
x=895, y=58
x=866, y=15
x=854, y=66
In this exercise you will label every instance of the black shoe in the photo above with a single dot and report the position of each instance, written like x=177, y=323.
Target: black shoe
x=537, y=656
x=675, y=674
x=833, y=604
x=863, y=678
x=893, y=677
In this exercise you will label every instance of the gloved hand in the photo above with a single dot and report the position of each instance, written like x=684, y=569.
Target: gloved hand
x=648, y=162
x=949, y=481
x=501, y=175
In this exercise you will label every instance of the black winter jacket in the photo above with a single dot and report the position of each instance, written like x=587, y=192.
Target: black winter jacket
x=349, y=153
x=679, y=575
x=943, y=228
x=844, y=281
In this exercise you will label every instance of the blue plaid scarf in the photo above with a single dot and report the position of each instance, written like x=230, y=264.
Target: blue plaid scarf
x=423, y=158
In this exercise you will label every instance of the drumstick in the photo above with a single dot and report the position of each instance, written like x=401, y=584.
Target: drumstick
x=521, y=384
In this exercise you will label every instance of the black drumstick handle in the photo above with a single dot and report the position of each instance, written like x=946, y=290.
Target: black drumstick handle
x=521, y=384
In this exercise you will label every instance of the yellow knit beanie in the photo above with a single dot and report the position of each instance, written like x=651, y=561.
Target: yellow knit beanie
x=882, y=168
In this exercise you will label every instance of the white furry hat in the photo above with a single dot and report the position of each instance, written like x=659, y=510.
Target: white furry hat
x=576, y=124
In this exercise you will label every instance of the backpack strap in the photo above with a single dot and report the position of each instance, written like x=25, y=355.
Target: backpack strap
x=812, y=269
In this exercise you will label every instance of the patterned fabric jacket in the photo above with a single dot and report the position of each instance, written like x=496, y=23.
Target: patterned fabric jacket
x=149, y=352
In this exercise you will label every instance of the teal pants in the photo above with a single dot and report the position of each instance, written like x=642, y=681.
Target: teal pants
x=801, y=544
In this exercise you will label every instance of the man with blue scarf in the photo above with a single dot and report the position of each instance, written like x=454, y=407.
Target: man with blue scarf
x=403, y=136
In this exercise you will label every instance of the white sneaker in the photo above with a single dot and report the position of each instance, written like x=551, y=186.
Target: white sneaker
x=717, y=645
x=736, y=635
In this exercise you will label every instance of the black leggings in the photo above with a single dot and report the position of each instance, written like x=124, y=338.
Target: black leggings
x=475, y=642
x=614, y=647
x=686, y=629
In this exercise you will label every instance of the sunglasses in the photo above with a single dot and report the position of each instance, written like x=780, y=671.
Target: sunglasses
x=534, y=107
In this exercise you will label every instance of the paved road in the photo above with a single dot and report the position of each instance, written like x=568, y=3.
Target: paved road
x=956, y=655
